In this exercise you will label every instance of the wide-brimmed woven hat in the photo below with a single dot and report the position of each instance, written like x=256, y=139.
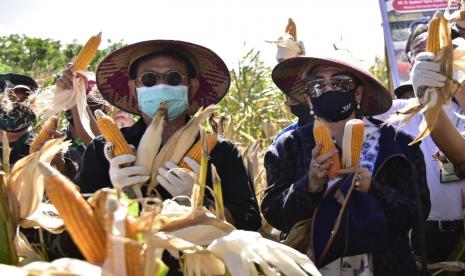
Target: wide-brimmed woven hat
x=113, y=73
x=17, y=81
x=288, y=75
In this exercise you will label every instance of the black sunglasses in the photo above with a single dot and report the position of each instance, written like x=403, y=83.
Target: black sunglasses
x=149, y=79
x=316, y=88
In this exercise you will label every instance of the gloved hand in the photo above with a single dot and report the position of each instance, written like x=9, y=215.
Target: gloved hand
x=176, y=181
x=426, y=77
x=125, y=176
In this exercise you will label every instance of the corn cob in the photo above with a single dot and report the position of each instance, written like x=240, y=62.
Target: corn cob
x=291, y=29
x=87, y=53
x=80, y=220
x=111, y=133
x=45, y=134
x=352, y=143
x=195, y=152
x=133, y=253
x=322, y=136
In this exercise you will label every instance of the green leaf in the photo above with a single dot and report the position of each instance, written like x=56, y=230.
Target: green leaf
x=5, y=248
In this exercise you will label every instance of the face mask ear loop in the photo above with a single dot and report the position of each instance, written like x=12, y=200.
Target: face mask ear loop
x=310, y=106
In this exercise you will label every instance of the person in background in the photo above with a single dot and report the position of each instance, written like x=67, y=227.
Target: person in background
x=16, y=116
x=404, y=91
x=288, y=47
x=443, y=229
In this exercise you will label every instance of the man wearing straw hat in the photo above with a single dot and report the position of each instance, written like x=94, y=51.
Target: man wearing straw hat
x=136, y=79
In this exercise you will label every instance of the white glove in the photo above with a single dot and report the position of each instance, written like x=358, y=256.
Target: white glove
x=425, y=77
x=176, y=181
x=125, y=176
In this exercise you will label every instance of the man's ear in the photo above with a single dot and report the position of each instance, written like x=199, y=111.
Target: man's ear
x=193, y=89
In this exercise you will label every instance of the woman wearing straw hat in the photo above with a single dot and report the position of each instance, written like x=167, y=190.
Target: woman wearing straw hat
x=387, y=199
x=136, y=79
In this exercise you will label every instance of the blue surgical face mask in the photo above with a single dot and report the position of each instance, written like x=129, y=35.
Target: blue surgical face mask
x=150, y=98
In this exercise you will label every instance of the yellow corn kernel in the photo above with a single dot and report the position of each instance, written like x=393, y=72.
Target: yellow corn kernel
x=111, y=133
x=323, y=136
x=133, y=252
x=87, y=53
x=352, y=143
x=45, y=134
x=79, y=218
x=439, y=34
x=195, y=152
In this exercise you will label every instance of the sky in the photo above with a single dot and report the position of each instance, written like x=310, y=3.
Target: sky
x=230, y=28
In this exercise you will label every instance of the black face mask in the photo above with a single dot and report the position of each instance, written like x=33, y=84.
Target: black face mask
x=301, y=111
x=334, y=106
x=19, y=118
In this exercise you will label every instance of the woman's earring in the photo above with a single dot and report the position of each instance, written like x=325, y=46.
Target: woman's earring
x=358, y=105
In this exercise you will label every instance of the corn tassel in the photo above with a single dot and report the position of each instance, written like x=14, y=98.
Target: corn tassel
x=352, y=143
x=87, y=53
x=45, y=134
x=79, y=218
x=111, y=133
x=323, y=136
x=195, y=152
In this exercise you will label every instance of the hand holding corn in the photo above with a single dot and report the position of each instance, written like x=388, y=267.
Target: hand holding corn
x=426, y=77
x=319, y=167
x=362, y=178
x=65, y=82
x=175, y=180
x=125, y=176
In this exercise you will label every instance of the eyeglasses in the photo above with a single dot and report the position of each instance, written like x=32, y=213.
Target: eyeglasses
x=149, y=79
x=316, y=88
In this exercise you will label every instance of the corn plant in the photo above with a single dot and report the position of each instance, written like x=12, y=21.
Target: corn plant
x=255, y=104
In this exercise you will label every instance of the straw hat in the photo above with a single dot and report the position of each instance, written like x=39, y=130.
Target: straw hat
x=113, y=73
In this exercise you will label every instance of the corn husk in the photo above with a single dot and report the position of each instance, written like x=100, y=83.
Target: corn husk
x=150, y=142
x=242, y=250
x=25, y=250
x=64, y=266
x=52, y=101
x=179, y=143
x=26, y=182
x=46, y=217
x=5, y=154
